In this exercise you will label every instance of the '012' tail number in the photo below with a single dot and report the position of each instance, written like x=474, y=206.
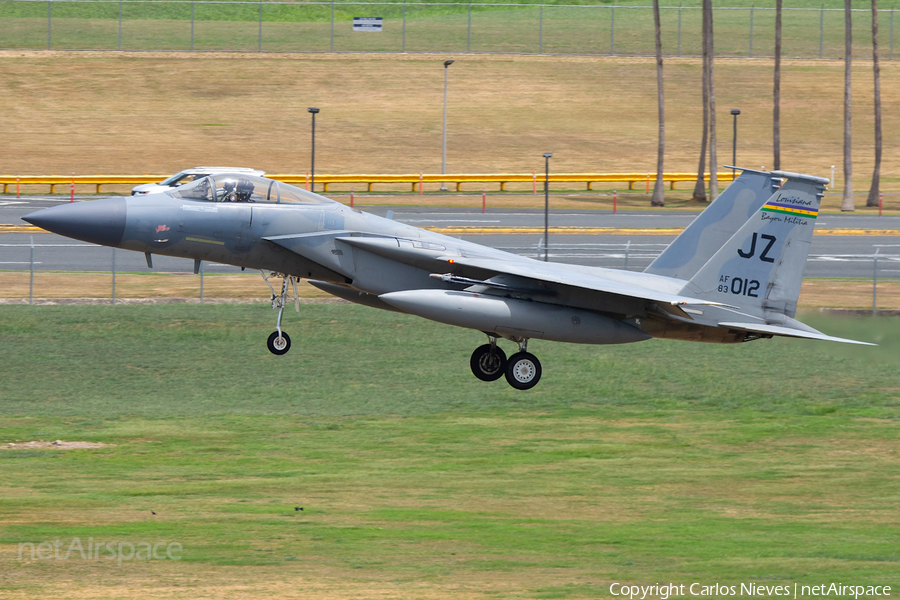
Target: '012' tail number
x=738, y=285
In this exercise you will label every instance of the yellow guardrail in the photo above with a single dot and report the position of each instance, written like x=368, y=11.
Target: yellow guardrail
x=418, y=181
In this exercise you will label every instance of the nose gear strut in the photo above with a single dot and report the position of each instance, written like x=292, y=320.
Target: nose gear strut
x=279, y=342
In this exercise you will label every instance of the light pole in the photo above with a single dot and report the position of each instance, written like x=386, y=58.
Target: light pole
x=735, y=112
x=312, y=181
x=447, y=63
x=547, y=156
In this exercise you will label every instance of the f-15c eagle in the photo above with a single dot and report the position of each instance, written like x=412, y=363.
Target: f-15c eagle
x=732, y=276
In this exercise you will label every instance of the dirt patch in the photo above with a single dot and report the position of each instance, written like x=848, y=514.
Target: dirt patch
x=55, y=445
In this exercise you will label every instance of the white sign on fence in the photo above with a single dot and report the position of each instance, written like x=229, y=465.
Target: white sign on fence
x=366, y=23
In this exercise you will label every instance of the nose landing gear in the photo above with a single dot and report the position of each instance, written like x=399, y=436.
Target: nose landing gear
x=279, y=342
x=522, y=369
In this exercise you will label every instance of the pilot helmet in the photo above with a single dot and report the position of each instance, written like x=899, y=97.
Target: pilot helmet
x=228, y=188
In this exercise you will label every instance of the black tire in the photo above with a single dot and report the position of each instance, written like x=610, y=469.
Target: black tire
x=523, y=370
x=277, y=346
x=487, y=365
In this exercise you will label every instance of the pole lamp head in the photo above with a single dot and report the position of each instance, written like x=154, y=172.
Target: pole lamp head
x=735, y=111
x=548, y=154
x=447, y=63
x=313, y=110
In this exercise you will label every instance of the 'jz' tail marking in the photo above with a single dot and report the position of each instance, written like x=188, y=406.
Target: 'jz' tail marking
x=765, y=253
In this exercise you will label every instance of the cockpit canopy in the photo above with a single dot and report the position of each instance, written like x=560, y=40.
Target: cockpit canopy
x=240, y=187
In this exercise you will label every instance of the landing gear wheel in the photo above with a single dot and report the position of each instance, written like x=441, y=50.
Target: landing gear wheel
x=279, y=345
x=523, y=370
x=488, y=362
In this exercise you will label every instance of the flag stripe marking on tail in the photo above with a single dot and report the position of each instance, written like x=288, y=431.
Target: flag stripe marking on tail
x=790, y=209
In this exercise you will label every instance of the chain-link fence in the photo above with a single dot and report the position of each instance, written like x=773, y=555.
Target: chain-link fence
x=162, y=25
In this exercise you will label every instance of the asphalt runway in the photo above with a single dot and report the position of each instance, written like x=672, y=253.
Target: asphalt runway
x=833, y=255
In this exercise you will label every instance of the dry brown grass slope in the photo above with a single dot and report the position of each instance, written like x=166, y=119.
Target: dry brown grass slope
x=157, y=113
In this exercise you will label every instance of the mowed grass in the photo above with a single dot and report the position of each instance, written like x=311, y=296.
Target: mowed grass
x=772, y=461
x=146, y=113
x=445, y=27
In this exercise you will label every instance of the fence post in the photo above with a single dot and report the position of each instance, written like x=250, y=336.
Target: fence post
x=31, y=282
x=403, y=47
x=49, y=23
x=821, y=28
x=120, y=25
x=875, y=283
x=751, y=31
x=541, y=30
x=260, y=26
x=114, y=276
x=679, y=30
x=192, y=25
x=469, y=31
x=612, y=30
x=331, y=46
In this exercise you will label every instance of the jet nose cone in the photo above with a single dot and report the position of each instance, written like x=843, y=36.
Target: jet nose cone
x=95, y=221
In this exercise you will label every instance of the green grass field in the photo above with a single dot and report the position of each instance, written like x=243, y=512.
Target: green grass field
x=774, y=461
x=558, y=28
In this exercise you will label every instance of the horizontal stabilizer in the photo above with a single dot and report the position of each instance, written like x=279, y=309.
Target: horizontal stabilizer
x=790, y=332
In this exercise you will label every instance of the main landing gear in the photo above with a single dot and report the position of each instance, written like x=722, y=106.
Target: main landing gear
x=522, y=369
x=279, y=342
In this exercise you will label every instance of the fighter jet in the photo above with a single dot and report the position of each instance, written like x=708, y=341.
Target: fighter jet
x=732, y=276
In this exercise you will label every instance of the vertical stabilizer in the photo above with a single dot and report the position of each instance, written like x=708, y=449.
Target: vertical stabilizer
x=760, y=269
x=715, y=225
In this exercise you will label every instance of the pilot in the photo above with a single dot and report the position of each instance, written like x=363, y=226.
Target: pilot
x=228, y=191
x=244, y=190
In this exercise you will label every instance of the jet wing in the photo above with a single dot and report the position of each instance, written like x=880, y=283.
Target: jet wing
x=790, y=332
x=558, y=274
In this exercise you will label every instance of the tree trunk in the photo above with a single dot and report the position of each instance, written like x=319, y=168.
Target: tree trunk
x=658, y=198
x=875, y=189
x=847, y=202
x=700, y=186
x=776, y=96
x=713, y=162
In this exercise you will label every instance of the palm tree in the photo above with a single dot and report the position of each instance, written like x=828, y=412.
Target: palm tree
x=700, y=186
x=872, y=200
x=657, y=199
x=776, y=112
x=847, y=202
x=713, y=163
